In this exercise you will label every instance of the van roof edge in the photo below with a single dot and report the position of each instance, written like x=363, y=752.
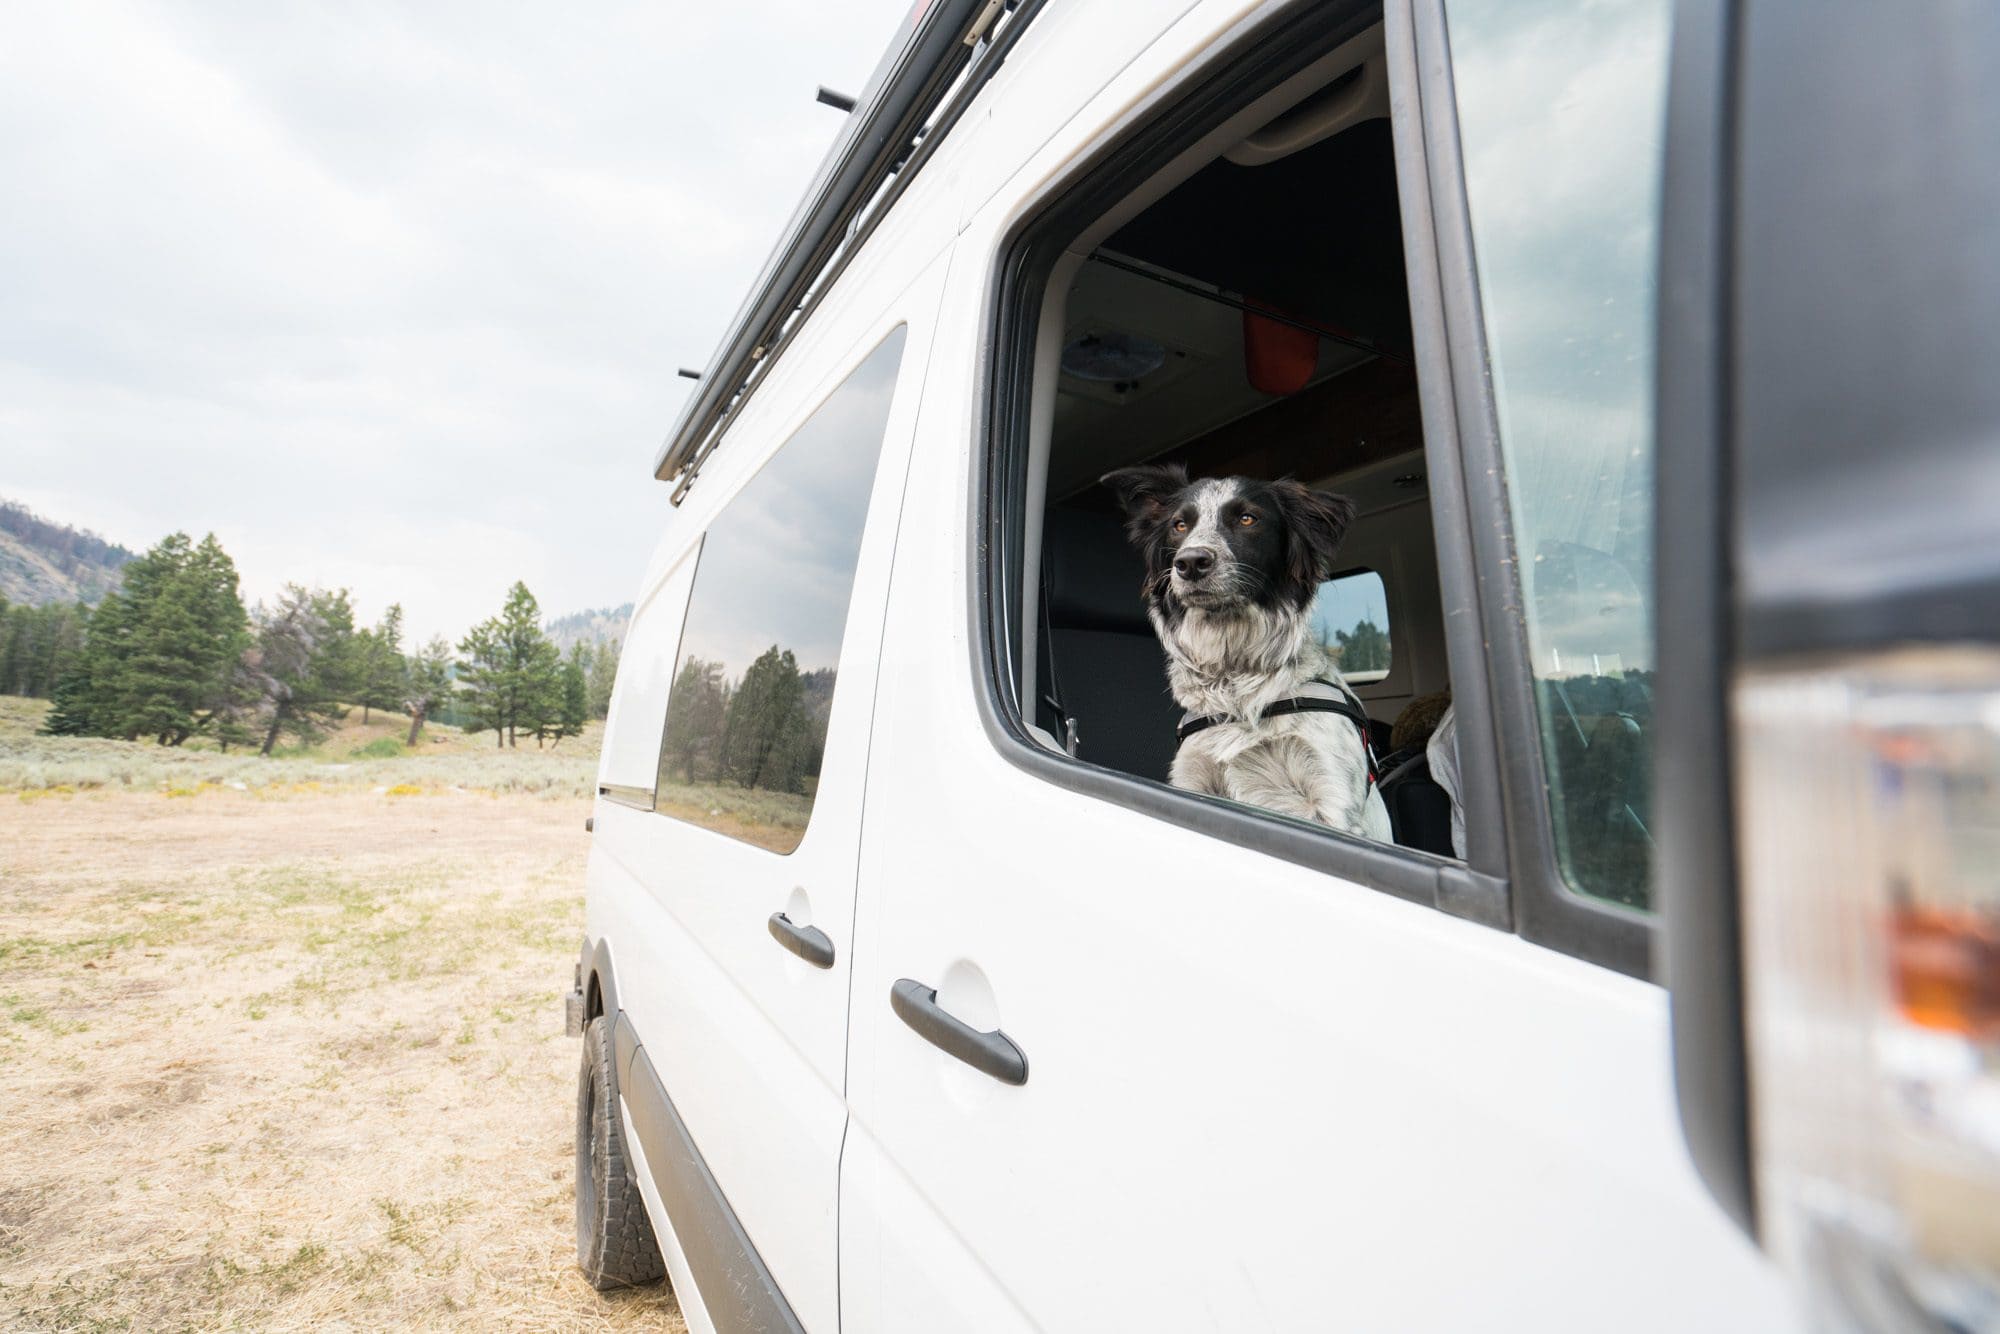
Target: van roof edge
x=907, y=83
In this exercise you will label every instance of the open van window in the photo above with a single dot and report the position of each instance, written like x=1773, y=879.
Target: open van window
x=1243, y=316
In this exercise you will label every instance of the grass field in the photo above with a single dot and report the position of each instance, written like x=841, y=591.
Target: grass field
x=289, y=1054
x=365, y=755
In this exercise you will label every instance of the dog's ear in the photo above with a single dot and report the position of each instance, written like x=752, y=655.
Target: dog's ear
x=1315, y=522
x=1145, y=493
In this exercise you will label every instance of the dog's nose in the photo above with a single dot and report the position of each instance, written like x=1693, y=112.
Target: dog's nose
x=1194, y=564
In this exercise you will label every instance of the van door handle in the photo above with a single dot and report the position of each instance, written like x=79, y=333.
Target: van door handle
x=989, y=1053
x=808, y=942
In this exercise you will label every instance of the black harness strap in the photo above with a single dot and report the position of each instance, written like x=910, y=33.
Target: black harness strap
x=1347, y=706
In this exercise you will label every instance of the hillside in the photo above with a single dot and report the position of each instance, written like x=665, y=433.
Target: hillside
x=589, y=627
x=43, y=561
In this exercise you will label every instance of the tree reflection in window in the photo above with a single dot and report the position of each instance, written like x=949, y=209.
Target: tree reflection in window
x=752, y=695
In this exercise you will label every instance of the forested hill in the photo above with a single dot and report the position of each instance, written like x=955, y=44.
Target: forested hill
x=589, y=627
x=42, y=561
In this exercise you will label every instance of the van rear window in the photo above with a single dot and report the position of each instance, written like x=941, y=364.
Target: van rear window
x=1351, y=619
x=753, y=685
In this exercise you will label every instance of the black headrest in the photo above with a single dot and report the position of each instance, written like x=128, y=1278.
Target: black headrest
x=1092, y=575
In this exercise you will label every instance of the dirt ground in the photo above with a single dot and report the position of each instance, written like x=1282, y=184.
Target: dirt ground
x=285, y=1060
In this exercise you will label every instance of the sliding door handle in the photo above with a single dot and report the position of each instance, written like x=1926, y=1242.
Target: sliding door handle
x=989, y=1053
x=808, y=942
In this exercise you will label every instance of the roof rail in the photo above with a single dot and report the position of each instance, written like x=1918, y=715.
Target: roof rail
x=914, y=96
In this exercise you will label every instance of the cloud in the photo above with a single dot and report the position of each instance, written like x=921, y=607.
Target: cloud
x=390, y=296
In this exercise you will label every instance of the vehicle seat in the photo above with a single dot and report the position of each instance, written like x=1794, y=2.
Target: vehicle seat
x=1419, y=808
x=1100, y=661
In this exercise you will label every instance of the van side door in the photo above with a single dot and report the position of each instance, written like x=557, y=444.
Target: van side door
x=738, y=874
x=1129, y=1058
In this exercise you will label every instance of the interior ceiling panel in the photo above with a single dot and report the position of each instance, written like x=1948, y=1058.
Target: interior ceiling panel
x=1317, y=233
x=1202, y=386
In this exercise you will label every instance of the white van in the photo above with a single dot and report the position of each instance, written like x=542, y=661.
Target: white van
x=914, y=998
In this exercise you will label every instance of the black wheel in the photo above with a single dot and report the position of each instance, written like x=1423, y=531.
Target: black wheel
x=614, y=1238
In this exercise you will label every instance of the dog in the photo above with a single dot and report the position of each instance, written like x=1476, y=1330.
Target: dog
x=1233, y=565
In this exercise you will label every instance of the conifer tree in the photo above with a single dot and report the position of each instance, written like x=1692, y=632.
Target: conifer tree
x=603, y=675
x=511, y=672
x=383, y=670
x=159, y=657
x=337, y=663
x=697, y=708
x=575, y=708
x=427, y=684
x=39, y=645
x=71, y=712
x=765, y=741
x=1362, y=649
x=302, y=663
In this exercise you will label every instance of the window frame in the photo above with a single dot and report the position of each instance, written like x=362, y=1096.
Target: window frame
x=1510, y=879
x=1273, y=43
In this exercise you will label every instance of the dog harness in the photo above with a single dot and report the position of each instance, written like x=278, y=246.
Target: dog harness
x=1337, y=699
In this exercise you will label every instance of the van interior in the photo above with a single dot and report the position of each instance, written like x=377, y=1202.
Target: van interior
x=1246, y=312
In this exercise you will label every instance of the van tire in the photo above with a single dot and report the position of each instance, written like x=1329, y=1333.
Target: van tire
x=615, y=1245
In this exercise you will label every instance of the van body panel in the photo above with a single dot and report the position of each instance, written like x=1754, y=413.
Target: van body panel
x=1060, y=65
x=748, y=1040
x=1258, y=1095
x=1241, y=1070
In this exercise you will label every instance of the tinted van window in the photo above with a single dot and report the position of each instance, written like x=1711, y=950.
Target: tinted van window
x=760, y=652
x=1561, y=115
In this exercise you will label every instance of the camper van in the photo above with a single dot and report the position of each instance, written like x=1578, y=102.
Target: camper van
x=1651, y=347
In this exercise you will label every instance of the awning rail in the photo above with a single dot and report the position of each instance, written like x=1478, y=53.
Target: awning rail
x=947, y=52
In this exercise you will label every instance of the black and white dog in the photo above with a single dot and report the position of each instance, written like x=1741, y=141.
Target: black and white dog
x=1233, y=565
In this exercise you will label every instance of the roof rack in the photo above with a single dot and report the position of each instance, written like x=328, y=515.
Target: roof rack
x=944, y=56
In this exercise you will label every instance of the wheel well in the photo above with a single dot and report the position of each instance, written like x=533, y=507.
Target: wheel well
x=593, y=1004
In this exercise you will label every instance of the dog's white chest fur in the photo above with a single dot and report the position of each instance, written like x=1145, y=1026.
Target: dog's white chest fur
x=1311, y=766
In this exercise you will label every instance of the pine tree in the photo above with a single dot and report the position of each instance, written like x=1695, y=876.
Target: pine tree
x=383, y=671
x=158, y=659
x=766, y=728
x=13, y=647
x=81, y=696
x=697, y=710
x=428, y=684
x=575, y=709
x=337, y=659
x=39, y=645
x=603, y=675
x=302, y=663
x=511, y=672
x=71, y=711
x=1365, y=648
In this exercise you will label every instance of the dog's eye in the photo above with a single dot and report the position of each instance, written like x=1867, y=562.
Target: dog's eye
x=1246, y=519
x=1180, y=525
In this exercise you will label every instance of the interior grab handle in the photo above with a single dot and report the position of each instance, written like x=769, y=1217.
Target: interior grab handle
x=992, y=1053
x=808, y=942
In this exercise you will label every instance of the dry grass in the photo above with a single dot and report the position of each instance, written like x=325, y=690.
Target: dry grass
x=287, y=1064
x=359, y=755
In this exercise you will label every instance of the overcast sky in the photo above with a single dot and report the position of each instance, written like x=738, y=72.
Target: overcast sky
x=390, y=296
